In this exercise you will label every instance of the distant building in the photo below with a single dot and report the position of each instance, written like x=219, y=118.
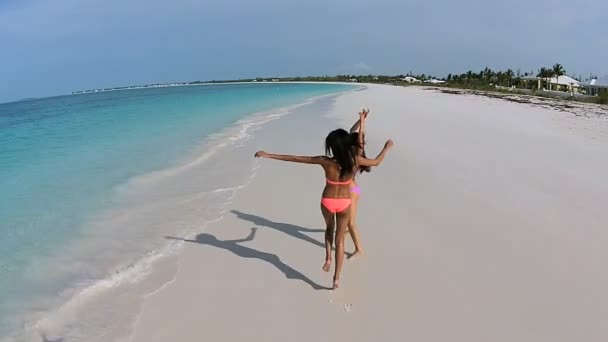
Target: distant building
x=410, y=79
x=531, y=82
x=353, y=80
x=596, y=87
x=564, y=83
x=434, y=81
x=560, y=83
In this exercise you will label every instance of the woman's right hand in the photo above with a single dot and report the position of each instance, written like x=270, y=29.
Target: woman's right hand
x=363, y=114
x=261, y=154
x=389, y=143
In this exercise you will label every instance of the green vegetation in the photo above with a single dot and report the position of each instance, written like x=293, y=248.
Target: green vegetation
x=547, y=73
x=489, y=79
x=484, y=79
x=507, y=81
x=602, y=99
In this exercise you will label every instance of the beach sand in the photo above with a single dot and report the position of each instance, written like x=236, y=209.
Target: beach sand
x=486, y=222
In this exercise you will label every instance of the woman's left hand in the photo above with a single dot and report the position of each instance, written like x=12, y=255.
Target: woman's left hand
x=261, y=154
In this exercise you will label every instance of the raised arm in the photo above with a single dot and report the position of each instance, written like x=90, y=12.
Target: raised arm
x=355, y=126
x=362, y=161
x=295, y=159
x=362, y=117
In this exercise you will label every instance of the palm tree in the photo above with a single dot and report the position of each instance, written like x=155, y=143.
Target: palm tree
x=542, y=73
x=469, y=76
x=487, y=74
x=558, y=70
x=499, y=75
x=550, y=75
x=546, y=74
x=509, y=74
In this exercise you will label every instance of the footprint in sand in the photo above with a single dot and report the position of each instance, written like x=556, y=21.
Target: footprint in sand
x=348, y=307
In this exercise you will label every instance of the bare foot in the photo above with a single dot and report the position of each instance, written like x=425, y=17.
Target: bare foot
x=327, y=265
x=336, y=285
x=355, y=255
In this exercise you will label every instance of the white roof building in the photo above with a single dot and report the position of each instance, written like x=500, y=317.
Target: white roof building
x=410, y=79
x=560, y=80
x=565, y=80
x=598, y=83
x=434, y=81
x=596, y=86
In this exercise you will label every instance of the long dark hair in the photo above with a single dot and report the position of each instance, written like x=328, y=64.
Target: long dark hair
x=339, y=145
x=360, y=150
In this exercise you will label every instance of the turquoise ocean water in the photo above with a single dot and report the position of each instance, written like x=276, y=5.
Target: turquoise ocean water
x=62, y=159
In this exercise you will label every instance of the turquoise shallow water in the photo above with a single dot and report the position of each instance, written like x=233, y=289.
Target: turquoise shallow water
x=61, y=158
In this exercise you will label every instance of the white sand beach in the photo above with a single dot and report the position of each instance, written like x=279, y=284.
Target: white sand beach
x=486, y=222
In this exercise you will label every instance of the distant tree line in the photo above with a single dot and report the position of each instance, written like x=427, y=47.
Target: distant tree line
x=507, y=78
x=486, y=79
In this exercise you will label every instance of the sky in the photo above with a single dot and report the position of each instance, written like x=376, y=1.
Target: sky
x=56, y=47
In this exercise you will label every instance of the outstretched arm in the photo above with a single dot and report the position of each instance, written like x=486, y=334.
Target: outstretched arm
x=291, y=158
x=249, y=237
x=362, y=161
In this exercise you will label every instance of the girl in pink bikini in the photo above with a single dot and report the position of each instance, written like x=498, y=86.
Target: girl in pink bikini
x=358, y=134
x=340, y=164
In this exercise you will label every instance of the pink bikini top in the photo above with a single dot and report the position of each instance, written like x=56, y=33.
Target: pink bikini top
x=338, y=183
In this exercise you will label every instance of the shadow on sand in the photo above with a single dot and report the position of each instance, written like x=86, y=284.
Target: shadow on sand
x=289, y=229
x=46, y=339
x=250, y=253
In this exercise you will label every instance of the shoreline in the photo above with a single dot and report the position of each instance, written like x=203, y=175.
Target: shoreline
x=177, y=86
x=201, y=84
x=462, y=211
x=48, y=324
x=467, y=235
x=500, y=91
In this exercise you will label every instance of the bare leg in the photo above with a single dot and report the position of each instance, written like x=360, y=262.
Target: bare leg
x=341, y=223
x=330, y=223
x=352, y=226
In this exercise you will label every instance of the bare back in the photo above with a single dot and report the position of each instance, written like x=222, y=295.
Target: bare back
x=332, y=173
